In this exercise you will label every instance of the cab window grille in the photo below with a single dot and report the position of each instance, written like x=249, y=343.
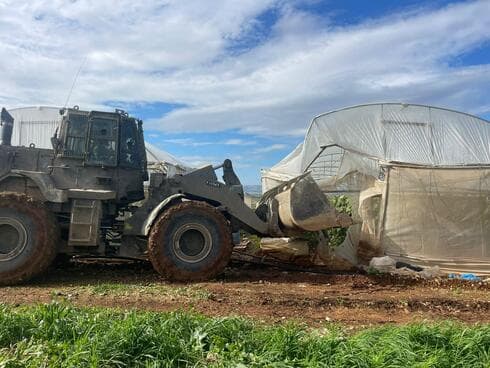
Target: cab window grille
x=102, y=145
x=76, y=136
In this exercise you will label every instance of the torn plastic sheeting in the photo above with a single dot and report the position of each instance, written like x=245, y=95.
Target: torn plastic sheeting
x=298, y=251
x=290, y=246
x=383, y=264
x=388, y=264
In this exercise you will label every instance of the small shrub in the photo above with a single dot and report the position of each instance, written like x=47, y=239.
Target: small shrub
x=335, y=236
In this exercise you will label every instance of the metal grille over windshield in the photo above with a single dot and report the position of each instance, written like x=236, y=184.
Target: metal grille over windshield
x=76, y=136
x=102, y=142
x=128, y=146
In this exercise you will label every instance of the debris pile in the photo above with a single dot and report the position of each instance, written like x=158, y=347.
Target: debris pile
x=387, y=264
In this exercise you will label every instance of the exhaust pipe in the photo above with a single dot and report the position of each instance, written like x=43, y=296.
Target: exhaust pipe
x=6, y=128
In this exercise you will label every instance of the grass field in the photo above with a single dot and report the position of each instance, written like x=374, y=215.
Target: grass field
x=59, y=335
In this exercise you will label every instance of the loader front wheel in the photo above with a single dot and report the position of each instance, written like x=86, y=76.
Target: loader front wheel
x=28, y=238
x=190, y=241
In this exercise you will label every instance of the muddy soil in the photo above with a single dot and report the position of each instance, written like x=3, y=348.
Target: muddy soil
x=264, y=293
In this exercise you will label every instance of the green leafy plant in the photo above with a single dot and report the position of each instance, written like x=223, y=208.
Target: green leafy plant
x=342, y=204
x=60, y=335
x=335, y=236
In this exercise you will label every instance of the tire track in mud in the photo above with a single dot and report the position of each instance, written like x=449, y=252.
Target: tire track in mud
x=439, y=304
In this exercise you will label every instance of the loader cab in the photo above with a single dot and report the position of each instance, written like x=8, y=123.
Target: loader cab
x=112, y=141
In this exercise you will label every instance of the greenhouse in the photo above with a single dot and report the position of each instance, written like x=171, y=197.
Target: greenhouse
x=418, y=177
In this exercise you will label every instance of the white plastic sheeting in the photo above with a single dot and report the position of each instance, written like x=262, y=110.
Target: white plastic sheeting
x=419, y=174
x=437, y=217
x=154, y=154
x=159, y=160
x=390, y=132
x=34, y=125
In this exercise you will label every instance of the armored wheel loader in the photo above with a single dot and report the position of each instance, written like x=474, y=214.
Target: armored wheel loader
x=87, y=196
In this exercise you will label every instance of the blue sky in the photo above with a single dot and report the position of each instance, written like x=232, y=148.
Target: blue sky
x=241, y=79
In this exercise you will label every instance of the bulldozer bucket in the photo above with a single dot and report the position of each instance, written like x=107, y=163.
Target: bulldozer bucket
x=302, y=206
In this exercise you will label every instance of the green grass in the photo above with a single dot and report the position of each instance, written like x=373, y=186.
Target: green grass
x=58, y=335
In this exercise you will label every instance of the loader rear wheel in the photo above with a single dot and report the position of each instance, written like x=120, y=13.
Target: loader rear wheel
x=28, y=238
x=190, y=241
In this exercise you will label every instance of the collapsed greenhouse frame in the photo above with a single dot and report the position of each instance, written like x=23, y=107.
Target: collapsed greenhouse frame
x=418, y=177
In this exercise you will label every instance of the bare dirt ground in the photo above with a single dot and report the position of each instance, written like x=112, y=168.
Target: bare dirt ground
x=264, y=293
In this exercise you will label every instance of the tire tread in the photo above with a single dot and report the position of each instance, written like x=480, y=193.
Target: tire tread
x=43, y=257
x=165, y=266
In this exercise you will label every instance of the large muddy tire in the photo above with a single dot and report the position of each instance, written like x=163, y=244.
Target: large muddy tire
x=28, y=238
x=190, y=241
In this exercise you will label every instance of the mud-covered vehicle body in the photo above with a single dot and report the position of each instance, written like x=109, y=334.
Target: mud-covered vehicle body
x=86, y=196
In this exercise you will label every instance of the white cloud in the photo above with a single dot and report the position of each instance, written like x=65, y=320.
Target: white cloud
x=271, y=148
x=239, y=142
x=199, y=161
x=188, y=142
x=177, y=52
